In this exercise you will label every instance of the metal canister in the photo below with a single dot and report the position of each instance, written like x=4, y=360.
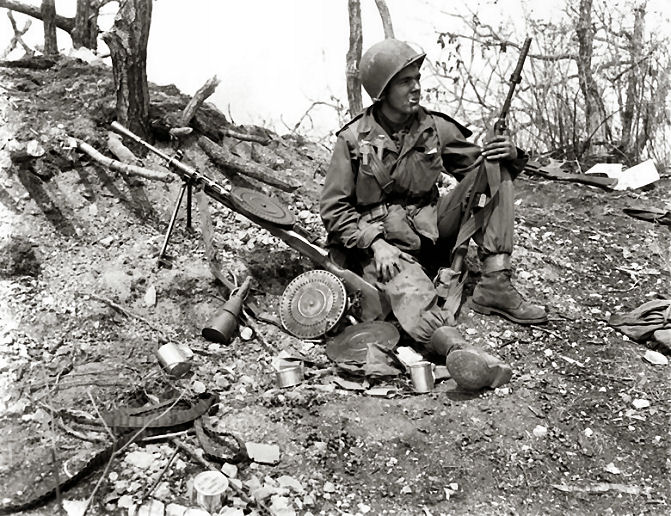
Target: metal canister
x=422, y=376
x=173, y=360
x=289, y=376
x=210, y=488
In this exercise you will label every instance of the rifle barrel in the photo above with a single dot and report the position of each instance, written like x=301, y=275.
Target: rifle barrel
x=515, y=78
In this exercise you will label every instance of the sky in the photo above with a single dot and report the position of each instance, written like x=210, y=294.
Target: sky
x=274, y=58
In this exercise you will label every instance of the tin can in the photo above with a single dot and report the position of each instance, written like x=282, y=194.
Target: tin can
x=210, y=488
x=173, y=360
x=422, y=376
x=289, y=376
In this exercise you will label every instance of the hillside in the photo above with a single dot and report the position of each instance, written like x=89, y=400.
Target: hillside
x=84, y=307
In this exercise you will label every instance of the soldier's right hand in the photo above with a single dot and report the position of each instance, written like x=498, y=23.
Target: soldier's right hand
x=388, y=259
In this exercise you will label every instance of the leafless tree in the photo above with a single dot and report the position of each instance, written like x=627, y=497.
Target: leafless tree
x=83, y=28
x=354, y=57
x=596, y=84
x=127, y=41
x=48, y=10
x=386, y=18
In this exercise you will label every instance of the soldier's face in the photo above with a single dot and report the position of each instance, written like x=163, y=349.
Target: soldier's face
x=403, y=92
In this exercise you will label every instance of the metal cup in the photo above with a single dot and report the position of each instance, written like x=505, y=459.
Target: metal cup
x=173, y=360
x=421, y=376
x=289, y=376
x=210, y=488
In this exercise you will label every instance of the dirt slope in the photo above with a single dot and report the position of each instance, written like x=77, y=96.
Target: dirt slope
x=75, y=235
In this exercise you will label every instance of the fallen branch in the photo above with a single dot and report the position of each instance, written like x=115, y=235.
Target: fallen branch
x=199, y=97
x=122, y=167
x=263, y=140
x=34, y=63
x=224, y=158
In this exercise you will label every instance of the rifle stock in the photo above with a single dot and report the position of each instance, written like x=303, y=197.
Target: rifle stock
x=374, y=305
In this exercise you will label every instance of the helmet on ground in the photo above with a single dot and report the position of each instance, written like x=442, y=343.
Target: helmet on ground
x=382, y=61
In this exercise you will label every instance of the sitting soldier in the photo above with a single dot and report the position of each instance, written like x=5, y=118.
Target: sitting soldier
x=385, y=219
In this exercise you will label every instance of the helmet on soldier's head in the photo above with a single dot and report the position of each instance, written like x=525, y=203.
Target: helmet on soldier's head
x=382, y=61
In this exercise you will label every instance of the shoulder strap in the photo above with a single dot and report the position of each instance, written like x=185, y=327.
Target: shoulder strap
x=462, y=128
x=357, y=117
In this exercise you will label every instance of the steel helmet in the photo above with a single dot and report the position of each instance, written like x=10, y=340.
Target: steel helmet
x=382, y=61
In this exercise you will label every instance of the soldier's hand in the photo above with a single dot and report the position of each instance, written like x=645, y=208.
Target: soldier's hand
x=388, y=259
x=500, y=147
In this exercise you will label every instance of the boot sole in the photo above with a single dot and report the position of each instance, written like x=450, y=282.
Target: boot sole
x=472, y=372
x=488, y=310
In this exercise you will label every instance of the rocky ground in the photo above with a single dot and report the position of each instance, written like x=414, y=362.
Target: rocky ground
x=583, y=427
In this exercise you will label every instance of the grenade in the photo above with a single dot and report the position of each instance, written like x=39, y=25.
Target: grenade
x=222, y=327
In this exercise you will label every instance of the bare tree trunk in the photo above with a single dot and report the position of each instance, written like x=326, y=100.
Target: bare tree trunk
x=596, y=125
x=386, y=19
x=85, y=32
x=633, y=83
x=48, y=10
x=354, y=57
x=127, y=41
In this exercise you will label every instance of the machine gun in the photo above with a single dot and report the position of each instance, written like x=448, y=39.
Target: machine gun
x=374, y=305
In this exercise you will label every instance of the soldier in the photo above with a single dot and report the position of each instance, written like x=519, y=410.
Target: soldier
x=385, y=219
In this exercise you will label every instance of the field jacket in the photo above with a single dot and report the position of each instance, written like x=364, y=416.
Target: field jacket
x=377, y=185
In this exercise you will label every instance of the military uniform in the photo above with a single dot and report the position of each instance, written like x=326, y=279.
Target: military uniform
x=384, y=185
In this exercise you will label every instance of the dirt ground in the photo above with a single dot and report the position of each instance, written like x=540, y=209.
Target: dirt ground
x=568, y=435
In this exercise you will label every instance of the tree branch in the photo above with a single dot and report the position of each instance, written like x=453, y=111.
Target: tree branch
x=66, y=24
x=122, y=167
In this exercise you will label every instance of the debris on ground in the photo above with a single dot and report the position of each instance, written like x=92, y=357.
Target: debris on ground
x=86, y=307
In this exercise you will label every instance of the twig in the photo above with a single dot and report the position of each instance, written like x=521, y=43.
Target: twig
x=95, y=406
x=128, y=313
x=166, y=436
x=550, y=332
x=163, y=471
x=54, y=463
x=97, y=486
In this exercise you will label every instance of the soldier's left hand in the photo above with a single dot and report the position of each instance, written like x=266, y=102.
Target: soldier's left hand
x=500, y=147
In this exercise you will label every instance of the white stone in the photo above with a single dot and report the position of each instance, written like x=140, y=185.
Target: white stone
x=140, y=459
x=174, y=509
x=639, y=403
x=540, y=431
x=152, y=508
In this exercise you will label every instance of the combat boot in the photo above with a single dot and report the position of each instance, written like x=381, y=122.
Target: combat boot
x=495, y=293
x=472, y=369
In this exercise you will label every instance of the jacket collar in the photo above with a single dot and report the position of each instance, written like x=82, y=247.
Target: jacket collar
x=370, y=130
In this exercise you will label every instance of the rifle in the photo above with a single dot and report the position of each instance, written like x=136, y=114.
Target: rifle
x=488, y=173
x=500, y=125
x=374, y=304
